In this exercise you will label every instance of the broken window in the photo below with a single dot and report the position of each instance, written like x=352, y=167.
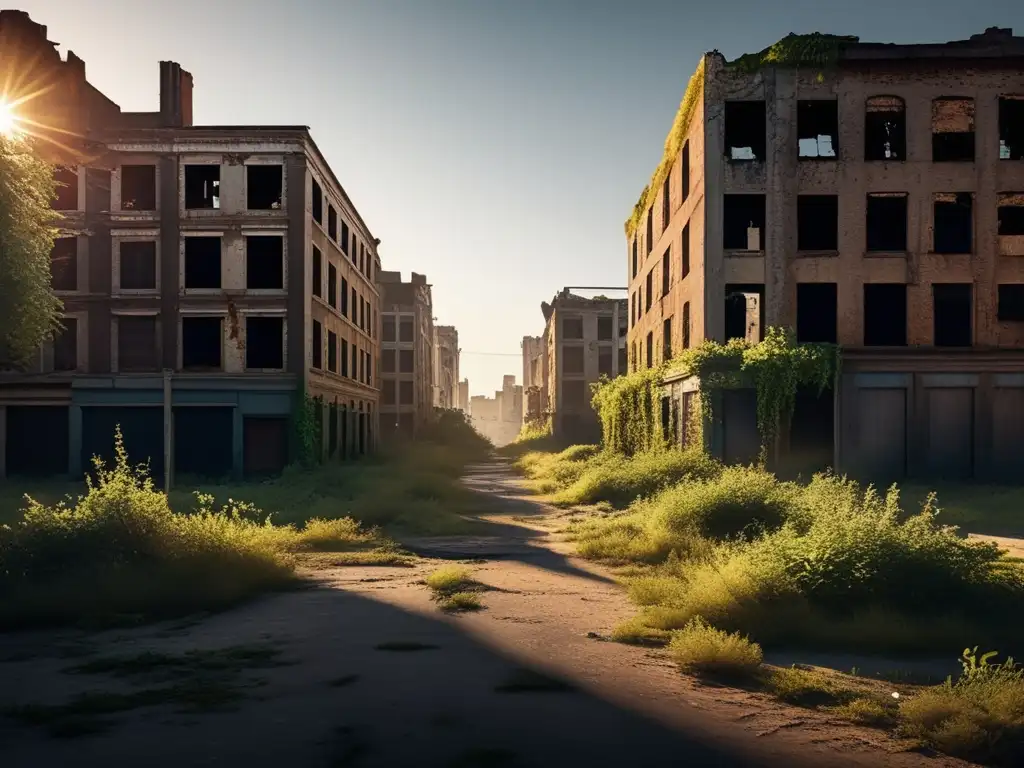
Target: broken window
x=572, y=328
x=137, y=343
x=685, y=322
x=202, y=262
x=405, y=393
x=887, y=222
x=816, y=313
x=635, y=264
x=138, y=187
x=1011, y=303
x=953, y=223
x=318, y=344
x=388, y=328
x=388, y=391
x=604, y=362
x=264, y=186
x=572, y=359
x=332, y=222
x=666, y=339
x=953, y=314
x=67, y=188
x=387, y=361
x=1011, y=128
x=650, y=349
x=332, y=352
x=686, y=172
x=405, y=330
x=666, y=271
x=686, y=251
x=318, y=203
x=332, y=285
x=344, y=357
x=666, y=203
x=264, y=262
x=817, y=128
x=744, y=220
x=885, y=129
x=604, y=328
x=650, y=229
x=264, y=343
x=817, y=222
x=745, y=130
x=405, y=361
x=885, y=315
x=202, y=342
x=318, y=267
x=1010, y=218
x=138, y=265
x=64, y=264
x=650, y=290
x=744, y=312
x=65, y=346
x=952, y=130
x=202, y=186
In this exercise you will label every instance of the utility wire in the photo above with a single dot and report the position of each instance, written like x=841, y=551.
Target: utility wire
x=493, y=354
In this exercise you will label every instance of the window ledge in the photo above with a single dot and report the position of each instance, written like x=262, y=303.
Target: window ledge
x=966, y=254
x=817, y=159
x=815, y=254
x=743, y=253
x=886, y=254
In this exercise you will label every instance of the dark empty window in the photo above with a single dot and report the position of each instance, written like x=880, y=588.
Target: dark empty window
x=388, y=391
x=1011, y=303
x=649, y=299
x=743, y=225
x=264, y=262
x=666, y=271
x=572, y=359
x=354, y=298
x=137, y=343
x=138, y=265
x=604, y=362
x=138, y=187
x=953, y=312
x=202, y=262
x=745, y=130
x=318, y=203
x=650, y=230
x=405, y=361
x=885, y=315
x=686, y=251
x=952, y=130
x=575, y=393
x=202, y=186
x=344, y=357
x=635, y=259
x=817, y=127
x=264, y=342
x=67, y=188
x=885, y=129
x=318, y=274
x=264, y=185
x=65, y=346
x=666, y=339
x=666, y=204
x=744, y=311
x=355, y=248
x=406, y=396
x=387, y=361
x=332, y=352
x=388, y=328
x=817, y=218
x=816, y=312
x=405, y=330
x=887, y=223
x=344, y=297
x=318, y=344
x=1010, y=214
x=953, y=223
x=64, y=264
x=572, y=328
x=332, y=222
x=605, y=330
x=332, y=285
x=650, y=349
x=1011, y=128
x=685, y=323
x=202, y=342
x=685, y=172
x=343, y=240
x=354, y=372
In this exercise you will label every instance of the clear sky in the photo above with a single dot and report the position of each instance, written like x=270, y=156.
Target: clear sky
x=496, y=146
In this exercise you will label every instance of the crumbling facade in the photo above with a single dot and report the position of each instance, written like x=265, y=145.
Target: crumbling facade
x=872, y=201
x=213, y=278
x=586, y=340
x=535, y=379
x=407, y=354
x=463, y=401
x=446, y=366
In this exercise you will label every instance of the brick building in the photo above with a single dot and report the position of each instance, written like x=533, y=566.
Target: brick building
x=586, y=339
x=446, y=366
x=407, y=353
x=875, y=203
x=209, y=274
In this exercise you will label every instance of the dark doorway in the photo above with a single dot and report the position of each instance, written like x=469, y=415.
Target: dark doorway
x=203, y=441
x=142, y=428
x=812, y=432
x=265, y=450
x=37, y=440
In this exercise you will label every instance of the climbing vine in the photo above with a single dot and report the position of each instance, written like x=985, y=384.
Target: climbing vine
x=626, y=406
x=307, y=428
x=813, y=50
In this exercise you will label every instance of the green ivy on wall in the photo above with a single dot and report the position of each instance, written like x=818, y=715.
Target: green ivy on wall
x=307, y=428
x=813, y=50
x=627, y=407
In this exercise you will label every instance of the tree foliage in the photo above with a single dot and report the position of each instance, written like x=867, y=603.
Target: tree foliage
x=29, y=310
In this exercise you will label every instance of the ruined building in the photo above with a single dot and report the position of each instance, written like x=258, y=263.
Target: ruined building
x=586, y=340
x=463, y=396
x=866, y=194
x=446, y=366
x=535, y=378
x=210, y=276
x=499, y=418
x=407, y=354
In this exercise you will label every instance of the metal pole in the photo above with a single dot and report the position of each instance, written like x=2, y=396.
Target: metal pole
x=168, y=432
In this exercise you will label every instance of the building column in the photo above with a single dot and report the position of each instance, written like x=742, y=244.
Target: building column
x=237, y=443
x=75, y=468
x=3, y=442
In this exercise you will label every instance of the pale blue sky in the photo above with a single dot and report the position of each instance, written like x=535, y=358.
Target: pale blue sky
x=494, y=145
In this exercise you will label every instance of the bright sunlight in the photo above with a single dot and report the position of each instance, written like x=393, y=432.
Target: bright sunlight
x=8, y=120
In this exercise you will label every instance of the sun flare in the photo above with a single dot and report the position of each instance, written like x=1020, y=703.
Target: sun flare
x=8, y=120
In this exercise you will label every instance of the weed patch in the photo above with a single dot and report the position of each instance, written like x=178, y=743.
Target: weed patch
x=701, y=648
x=455, y=590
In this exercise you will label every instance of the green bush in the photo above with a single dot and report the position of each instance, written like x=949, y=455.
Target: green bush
x=699, y=647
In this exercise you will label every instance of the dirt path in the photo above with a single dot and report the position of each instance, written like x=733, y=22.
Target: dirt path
x=461, y=699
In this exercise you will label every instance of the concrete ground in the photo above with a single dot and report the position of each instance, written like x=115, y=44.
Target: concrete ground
x=458, y=699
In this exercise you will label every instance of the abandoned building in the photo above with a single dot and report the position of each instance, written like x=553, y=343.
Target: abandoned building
x=585, y=341
x=446, y=367
x=499, y=418
x=407, y=354
x=874, y=201
x=463, y=401
x=535, y=379
x=212, y=277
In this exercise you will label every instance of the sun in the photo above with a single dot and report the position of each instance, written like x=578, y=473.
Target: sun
x=8, y=120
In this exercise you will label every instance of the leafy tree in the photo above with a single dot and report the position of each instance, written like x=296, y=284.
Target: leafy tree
x=29, y=310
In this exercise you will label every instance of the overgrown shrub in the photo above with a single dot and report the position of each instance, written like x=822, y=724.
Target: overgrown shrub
x=699, y=647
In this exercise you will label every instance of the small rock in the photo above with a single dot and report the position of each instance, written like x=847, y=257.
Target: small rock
x=596, y=636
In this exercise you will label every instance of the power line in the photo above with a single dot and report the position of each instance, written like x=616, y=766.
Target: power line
x=492, y=354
